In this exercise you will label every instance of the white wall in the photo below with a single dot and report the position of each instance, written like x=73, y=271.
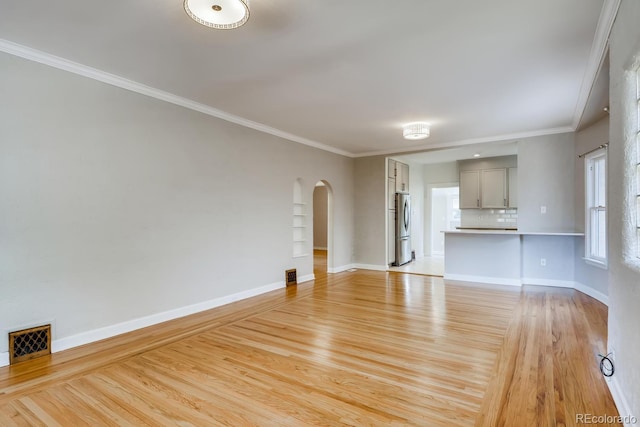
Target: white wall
x=587, y=139
x=370, y=213
x=624, y=273
x=416, y=189
x=117, y=206
x=434, y=175
x=545, y=178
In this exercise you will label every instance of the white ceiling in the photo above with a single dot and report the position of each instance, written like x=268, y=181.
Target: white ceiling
x=343, y=75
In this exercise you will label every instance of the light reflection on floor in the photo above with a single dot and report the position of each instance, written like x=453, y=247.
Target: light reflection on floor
x=431, y=266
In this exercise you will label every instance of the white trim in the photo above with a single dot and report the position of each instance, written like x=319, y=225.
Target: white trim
x=142, y=322
x=483, y=279
x=4, y=359
x=341, y=268
x=587, y=290
x=548, y=282
x=598, y=53
x=306, y=278
x=448, y=144
x=624, y=409
x=370, y=267
x=117, y=81
x=595, y=263
x=114, y=80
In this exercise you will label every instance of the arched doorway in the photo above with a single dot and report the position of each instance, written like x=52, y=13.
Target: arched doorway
x=322, y=228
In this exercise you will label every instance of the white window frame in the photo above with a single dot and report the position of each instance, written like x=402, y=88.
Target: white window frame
x=592, y=187
x=637, y=164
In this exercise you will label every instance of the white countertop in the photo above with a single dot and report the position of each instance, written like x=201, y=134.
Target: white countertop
x=514, y=232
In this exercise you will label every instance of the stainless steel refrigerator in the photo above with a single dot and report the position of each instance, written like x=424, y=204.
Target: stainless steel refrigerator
x=403, y=228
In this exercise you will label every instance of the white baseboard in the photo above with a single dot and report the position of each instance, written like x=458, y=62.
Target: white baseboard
x=370, y=267
x=483, y=279
x=569, y=284
x=548, y=282
x=4, y=358
x=592, y=293
x=621, y=402
x=341, y=268
x=142, y=322
x=306, y=278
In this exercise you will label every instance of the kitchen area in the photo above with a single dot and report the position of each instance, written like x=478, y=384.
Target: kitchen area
x=516, y=223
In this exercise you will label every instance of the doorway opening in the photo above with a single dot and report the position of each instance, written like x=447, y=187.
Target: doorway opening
x=322, y=228
x=445, y=215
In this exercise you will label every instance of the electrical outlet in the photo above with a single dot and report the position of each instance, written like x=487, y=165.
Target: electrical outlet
x=543, y=209
x=543, y=262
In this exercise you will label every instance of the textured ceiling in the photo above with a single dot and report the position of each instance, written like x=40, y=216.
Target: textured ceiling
x=342, y=74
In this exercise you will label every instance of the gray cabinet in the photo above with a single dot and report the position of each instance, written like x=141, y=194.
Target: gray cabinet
x=493, y=188
x=513, y=187
x=402, y=177
x=391, y=170
x=469, y=189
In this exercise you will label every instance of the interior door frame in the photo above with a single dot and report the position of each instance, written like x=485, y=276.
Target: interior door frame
x=428, y=225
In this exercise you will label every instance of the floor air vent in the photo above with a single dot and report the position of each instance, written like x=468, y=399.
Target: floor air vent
x=291, y=277
x=29, y=343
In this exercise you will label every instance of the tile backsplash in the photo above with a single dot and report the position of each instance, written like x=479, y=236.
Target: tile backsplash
x=489, y=218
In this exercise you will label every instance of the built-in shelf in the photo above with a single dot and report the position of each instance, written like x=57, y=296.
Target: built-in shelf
x=299, y=224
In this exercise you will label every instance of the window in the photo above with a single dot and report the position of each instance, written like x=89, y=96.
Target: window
x=596, y=203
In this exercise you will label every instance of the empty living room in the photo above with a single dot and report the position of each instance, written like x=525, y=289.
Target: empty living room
x=285, y=213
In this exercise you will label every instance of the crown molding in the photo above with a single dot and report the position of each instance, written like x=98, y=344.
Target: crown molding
x=114, y=80
x=599, y=50
x=452, y=144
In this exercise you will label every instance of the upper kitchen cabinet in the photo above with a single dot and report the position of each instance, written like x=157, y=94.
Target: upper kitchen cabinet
x=391, y=170
x=469, y=189
x=489, y=183
x=400, y=173
x=493, y=188
x=513, y=187
x=402, y=177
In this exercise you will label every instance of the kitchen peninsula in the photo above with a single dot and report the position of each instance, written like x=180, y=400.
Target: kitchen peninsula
x=510, y=257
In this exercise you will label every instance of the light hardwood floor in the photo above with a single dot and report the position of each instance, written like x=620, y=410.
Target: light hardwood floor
x=355, y=348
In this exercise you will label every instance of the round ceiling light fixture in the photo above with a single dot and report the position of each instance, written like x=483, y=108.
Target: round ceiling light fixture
x=413, y=131
x=219, y=14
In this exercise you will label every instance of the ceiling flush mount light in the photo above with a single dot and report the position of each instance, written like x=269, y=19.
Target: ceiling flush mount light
x=476, y=155
x=219, y=14
x=415, y=131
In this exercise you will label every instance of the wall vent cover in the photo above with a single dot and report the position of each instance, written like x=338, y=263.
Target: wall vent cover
x=29, y=343
x=291, y=277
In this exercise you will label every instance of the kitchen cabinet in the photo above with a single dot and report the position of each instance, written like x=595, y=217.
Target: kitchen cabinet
x=493, y=188
x=391, y=170
x=513, y=187
x=402, y=177
x=391, y=194
x=469, y=189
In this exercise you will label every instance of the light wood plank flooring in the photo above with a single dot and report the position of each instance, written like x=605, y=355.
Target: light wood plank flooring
x=355, y=348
